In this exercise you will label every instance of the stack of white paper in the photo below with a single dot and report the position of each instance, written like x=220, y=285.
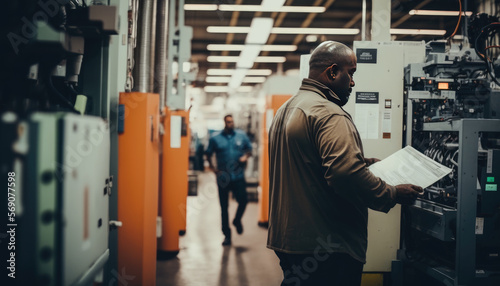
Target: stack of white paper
x=409, y=166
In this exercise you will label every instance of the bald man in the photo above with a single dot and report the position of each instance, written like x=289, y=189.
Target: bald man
x=320, y=186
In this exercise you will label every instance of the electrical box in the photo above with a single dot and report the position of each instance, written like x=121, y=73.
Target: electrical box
x=376, y=105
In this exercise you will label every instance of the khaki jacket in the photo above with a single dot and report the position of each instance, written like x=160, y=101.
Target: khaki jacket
x=320, y=187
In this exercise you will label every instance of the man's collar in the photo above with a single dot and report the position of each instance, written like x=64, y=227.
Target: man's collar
x=325, y=91
x=225, y=132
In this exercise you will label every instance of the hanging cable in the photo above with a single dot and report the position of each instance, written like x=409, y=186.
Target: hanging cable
x=487, y=31
x=489, y=47
x=59, y=95
x=459, y=19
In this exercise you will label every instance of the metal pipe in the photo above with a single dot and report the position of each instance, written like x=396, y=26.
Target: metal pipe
x=161, y=51
x=152, y=46
x=180, y=21
x=466, y=24
x=363, y=22
x=143, y=53
x=170, y=51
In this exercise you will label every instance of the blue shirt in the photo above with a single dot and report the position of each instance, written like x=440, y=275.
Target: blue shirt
x=228, y=148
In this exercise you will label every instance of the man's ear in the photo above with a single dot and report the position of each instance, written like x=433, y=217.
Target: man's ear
x=333, y=71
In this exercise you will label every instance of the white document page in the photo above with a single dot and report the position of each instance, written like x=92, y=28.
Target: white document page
x=366, y=120
x=409, y=166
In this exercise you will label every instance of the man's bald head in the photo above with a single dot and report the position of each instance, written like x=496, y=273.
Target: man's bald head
x=334, y=64
x=326, y=54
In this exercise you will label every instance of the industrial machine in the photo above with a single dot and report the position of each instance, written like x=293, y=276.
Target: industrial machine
x=80, y=81
x=452, y=233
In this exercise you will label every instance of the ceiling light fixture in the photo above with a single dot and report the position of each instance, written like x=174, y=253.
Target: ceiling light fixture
x=222, y=88
x=438, y=13
x=201, y=7
x=261, y=72
x=247, y=57
x=272, y=4
x=260, y=28
x=260, y=8
x=253, y=8
x=228, y=29
x=311, y=38
x=233, y=59
x=237, y=78
x=286, y=30
x=418, y=32
x=270, y=48
x=217, y=79
x=246, y=88
x=226, y=79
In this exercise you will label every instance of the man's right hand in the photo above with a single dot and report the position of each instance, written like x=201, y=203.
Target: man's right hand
x=407, y=193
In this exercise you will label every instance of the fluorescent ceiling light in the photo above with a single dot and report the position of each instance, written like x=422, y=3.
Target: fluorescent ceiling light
x=233, y=59
x=262, y=72
x=228, y=29
x=417, y=32
x=226, y=79
x=286, y=30
x=311, y=38
x=200, y=7
x=254, y=79
x=248, y=56
x=270, y=59
x=218, y=79
x=220, y=89
x=259, y=31
x=260, y=8
x=321, y=31
x=258, y=35
x=229, y=47
x=222, y=59
x=272, y=4
x=438, y=13
x=237, y=78
x=253, y=8
x=246, y=88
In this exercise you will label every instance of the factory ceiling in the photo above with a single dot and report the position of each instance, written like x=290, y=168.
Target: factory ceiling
x=338, y=14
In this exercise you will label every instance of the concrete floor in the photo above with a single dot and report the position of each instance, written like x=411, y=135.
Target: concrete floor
x=202, y=259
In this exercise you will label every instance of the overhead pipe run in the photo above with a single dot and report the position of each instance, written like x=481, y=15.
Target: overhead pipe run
x=143, y=53
x=160, y=81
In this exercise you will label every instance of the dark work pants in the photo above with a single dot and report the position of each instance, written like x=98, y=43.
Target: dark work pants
x=239, y=189
x=336, y=269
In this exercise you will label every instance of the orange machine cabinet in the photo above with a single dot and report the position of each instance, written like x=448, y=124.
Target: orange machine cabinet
x=273, y=103
x=174, y=179
x=138, y=175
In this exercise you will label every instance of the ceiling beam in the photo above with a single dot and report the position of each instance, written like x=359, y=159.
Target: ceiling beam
x=407, y=16
x=310, y=18
x=230, y=37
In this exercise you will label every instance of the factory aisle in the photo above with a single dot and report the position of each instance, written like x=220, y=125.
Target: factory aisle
x=202, y=259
